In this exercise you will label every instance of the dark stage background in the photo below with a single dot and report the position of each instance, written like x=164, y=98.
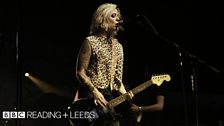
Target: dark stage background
x=46, y=35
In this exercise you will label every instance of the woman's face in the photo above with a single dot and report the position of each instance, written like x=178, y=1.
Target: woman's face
x=113, y=20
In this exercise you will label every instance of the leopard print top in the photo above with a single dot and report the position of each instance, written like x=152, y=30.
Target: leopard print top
x=100, y=66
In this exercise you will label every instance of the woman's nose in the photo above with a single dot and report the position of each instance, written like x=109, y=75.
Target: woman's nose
x=119, y=20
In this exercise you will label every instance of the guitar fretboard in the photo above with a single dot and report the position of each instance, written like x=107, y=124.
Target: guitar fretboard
x=118, y=100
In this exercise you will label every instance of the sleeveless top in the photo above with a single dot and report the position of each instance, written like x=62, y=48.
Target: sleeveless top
x=100, y=66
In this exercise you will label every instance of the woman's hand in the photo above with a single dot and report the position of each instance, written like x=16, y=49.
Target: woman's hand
x=130, y=95
x=99, y=99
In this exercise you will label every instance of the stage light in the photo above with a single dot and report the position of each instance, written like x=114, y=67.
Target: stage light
x=44, y=86
x=27, y=74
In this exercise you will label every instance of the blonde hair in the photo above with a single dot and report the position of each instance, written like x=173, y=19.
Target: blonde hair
x=100, y=17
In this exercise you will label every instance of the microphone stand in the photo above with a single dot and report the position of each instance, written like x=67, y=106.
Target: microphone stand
x=19, y=77
x=194, y=87
x=19, y=66
x=193, y=76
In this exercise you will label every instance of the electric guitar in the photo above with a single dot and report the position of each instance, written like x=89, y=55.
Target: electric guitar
x=84, y=112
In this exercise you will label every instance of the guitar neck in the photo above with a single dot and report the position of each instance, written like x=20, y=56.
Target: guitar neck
x=141, y=87
x=118, y=100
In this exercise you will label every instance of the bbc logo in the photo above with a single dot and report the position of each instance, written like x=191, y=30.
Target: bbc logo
x=13, y=115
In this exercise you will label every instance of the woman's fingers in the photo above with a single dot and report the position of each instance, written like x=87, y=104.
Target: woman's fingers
x=101, y=101
x=99, y=98
x=130, y=95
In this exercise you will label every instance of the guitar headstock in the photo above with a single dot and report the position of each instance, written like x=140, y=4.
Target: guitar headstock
x=158, y=79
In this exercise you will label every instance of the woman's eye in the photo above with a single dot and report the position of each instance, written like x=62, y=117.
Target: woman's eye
x=113, y=15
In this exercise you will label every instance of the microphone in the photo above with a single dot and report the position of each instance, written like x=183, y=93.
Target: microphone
x=120, y=25
x=140, y=17
x=120, y=22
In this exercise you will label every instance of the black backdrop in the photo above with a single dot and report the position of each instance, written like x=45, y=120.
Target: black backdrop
x=50, y=33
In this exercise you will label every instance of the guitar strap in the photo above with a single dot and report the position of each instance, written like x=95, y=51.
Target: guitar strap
x=113, y=65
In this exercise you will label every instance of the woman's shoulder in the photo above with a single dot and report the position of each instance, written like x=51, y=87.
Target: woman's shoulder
x=93, y=41
x=91, y=38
